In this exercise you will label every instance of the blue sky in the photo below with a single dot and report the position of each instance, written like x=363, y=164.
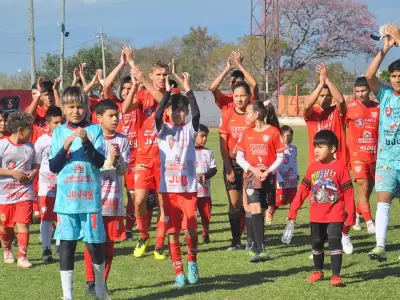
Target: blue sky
x=142, y=22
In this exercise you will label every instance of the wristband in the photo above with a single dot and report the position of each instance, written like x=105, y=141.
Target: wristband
x=131, y=62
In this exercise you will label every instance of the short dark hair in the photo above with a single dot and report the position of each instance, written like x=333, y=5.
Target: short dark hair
x=103, y=105
x=47, y=86
x=34, y=86
x=326, y=137
x=19, y=119
x=178, y=101
x=394, y=66
x=286, y=128
x=173, y=83
x=244, y=85
x=203, y=128
x=125, y=79
x=237, y=74
x=361, y=81
x=53, y=112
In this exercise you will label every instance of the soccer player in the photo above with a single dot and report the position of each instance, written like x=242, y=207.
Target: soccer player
x=259, y=153
x=147, y=168
x=325, y=109
x=362, y=116
x=206, y=168
x=287, y=175
x=47, y=182
x=387, y=176
x=76, y=155
x=226, y=101
x=128, y=125
x=178, y=184
x=18, y=169
x=232, y=125
x=329, y=182
x=115, y=166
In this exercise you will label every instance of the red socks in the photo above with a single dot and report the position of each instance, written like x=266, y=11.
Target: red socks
x=176, y=257
x=191, y=244
x=143, y=226
x=161, y=230
x=204, y=207
x=346, y=229
x=6, y=239
x=365, y=211
x=23, y=240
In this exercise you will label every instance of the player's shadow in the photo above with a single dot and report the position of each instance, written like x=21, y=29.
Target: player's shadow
x=125, y=251
x=221, y=282
x=384, y=270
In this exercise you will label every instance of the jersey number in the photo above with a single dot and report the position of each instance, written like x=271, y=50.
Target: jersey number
x=94, y=221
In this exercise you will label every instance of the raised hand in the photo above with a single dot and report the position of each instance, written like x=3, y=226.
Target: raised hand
x=82, y=70
x=237, y=57
x=39, y=84
x=56, y=83
x=138, y=74
x=186, y=81
x=229, y=65
x=76, y=74
x=122, y=59
x=394, y=33
x=167, y=85
x=128, y=53
x=323, y=72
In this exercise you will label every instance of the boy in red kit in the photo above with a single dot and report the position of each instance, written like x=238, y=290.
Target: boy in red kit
x=332, y=204
x=17, y=171
x=178, y=184
x=147, y=168
x=205, y=169
x=47, y=182
x=115, y=166
x=362, y=116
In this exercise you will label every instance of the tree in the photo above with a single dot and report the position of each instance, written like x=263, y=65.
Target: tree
x=18, y=81
x=384, y=76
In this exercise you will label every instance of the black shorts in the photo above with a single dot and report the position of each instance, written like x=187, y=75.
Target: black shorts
x=238, y=184
x=260, y=192
x=326, y=232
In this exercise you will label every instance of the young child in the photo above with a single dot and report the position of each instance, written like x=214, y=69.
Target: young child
x=76, y=155
x=18, y=169
x=3, y=124
x=332, y=197
x=178, y=183
x=205, y=169
x=259, y=154
x=47, y=182
x=115, y=166
x=287, y=176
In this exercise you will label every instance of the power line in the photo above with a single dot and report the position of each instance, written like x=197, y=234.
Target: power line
x=45, y=52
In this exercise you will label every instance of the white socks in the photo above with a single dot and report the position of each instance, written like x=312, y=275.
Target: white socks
x=67, y=283
x=46, y=232
x=382, y=223
x=99, y=279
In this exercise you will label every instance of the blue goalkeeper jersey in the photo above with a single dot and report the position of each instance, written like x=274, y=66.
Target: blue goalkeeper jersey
x=389, y=120
x=78, y=183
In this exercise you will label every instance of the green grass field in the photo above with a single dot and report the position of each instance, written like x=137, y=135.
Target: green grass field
x=226, y=275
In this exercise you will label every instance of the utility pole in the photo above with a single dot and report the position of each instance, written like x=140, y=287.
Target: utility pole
x=62, y=43
x=32, y=41
x=102, y=36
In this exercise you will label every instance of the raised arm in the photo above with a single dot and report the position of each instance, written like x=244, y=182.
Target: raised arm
x=82, y=74
x=194, y=108
x=373, y=68
x=95, y=81
x=31, y=109
x=175, y=74
x=108, y=82
x=308, y=105
x=160, y=111
x=336, y=94
x=236, y=56
x=214, y=87
x=75, y=76
x=56, y=86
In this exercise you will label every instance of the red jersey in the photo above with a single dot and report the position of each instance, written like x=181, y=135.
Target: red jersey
x=232, y=124
x=332, y=194
x=330, y=119
x=260, y=148
x=147, y=133
x=40, y=125
x=362, y=130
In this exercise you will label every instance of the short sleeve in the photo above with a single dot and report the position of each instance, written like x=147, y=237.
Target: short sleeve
x=278, y=143
x=140, y=96
x=223, y=128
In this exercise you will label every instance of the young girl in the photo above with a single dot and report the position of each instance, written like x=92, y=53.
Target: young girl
x=259, y=154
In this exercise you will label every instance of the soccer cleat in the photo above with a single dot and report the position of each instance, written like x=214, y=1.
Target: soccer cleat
x=8, y=257
x=347, y=244
x=265, y=255
x=23, y=262
x=47, y=255
x=180, y=281
x=206, y=239
x=129, y=236
x=141, y=247
x=357, y=226
x=371, y=227
x=336, y=281
x=316, y=276
x=57, y=251
x=90, y=289
x=234, y=247
x=193, y=273
x=159, y=254
x=377, y=254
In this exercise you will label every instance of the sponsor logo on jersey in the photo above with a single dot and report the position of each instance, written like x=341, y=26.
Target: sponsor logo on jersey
x=266, y=138
x=374, y=114
x=388, y=111
x=10, y=165
x=357, y=169
x=359, y=123
x=393, y=126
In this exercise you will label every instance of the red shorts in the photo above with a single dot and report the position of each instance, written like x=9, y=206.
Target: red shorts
x=20, y=212
x=114, y=228
x=285, y=196
x=47, y=208
x=180, y=209
x=147, y=173
x=363, y=170
x=130, y=179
